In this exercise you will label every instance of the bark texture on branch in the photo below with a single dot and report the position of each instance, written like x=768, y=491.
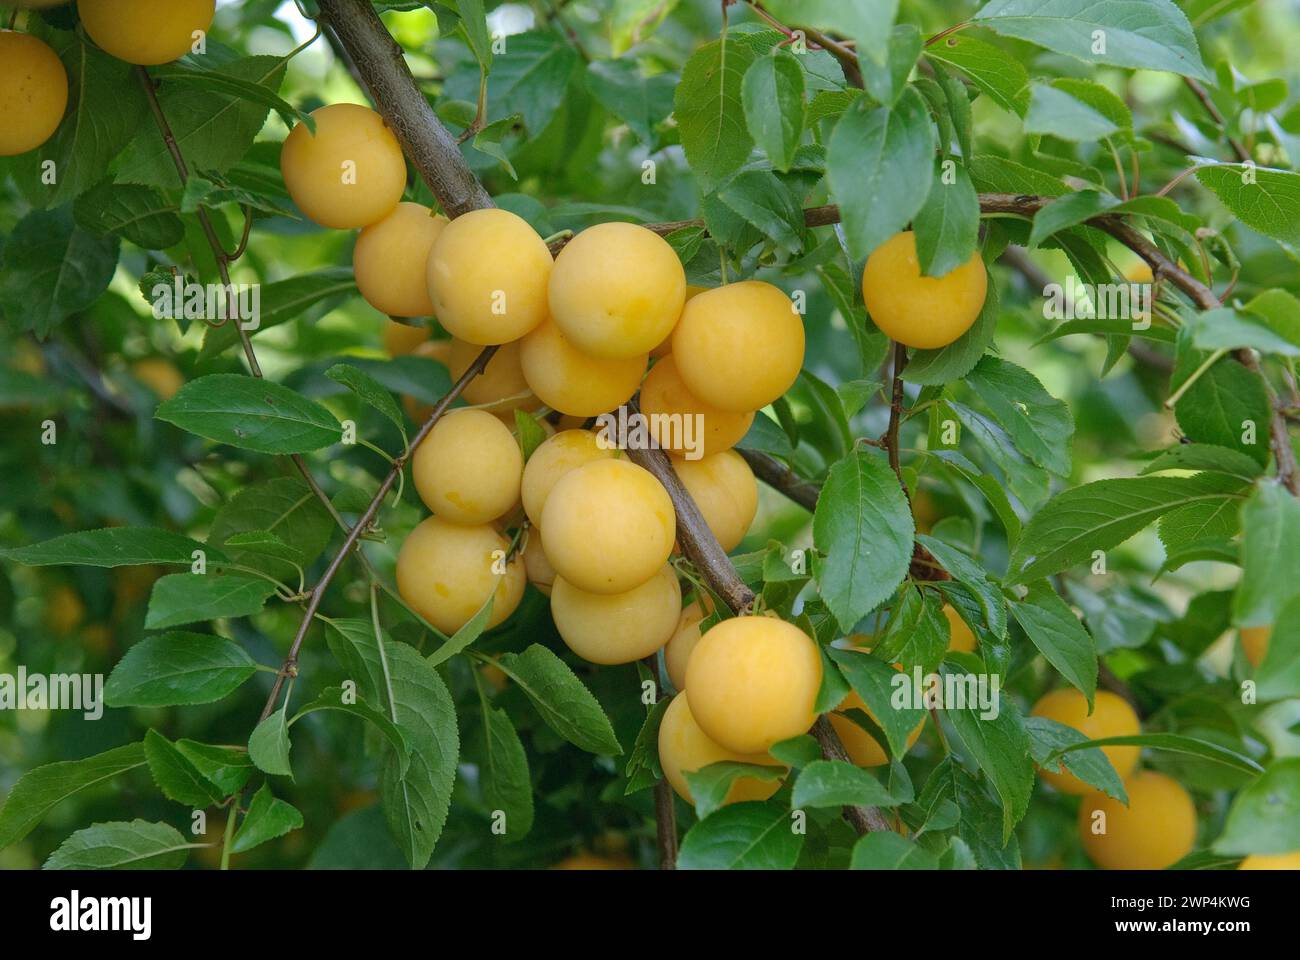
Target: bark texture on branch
x=381, y=65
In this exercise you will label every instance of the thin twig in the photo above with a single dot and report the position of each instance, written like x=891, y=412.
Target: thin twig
x=1203, y=95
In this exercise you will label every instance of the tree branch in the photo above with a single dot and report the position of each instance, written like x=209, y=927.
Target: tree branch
x=290, y=665
x=380, y=63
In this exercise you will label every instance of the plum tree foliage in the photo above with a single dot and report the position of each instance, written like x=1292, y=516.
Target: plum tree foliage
x=949, y=492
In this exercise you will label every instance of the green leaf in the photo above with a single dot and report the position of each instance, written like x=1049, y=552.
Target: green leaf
x=994, y=71
x=1175, y=743
x=1226, y=328
x=416, y=804
x=106, y=106
x=181, y=598
x=764, y=202
x=1058, y=635
x=284, y=507
x=1270, y=556
x=530, y=431
x=111, y=547
x=252, y=414
x=1265, y=815
x=336, y=698
x=834, y=783
x=503, y=769
x=140, y=214
x=282, y=301
x=228, y=767
x=1055, y=113
x=1206, y=457
x=231, y=85
x=880, y=163
x=980, y=814
x=887, y=80
x=1099, y=516
x=213, y=131
x=889, y=851
x=709, y=108
x=488, y=140
x=639, y=101
x=711, y=783
x=742, y=836
x=863, y=528
x=1278, y=675
x=122, y=845
x=51, y=268
x=772, y=94
x=1068, y=211
x=268, y=746
x=867, y=21
x=533, y=80
x=1039, y=424
x=370, y=391
x=1263, y=198
x=947, y=227
x=917, y=634
x=176, y=776
x=466, y=635
x=563, y=702
x=176, y=668
x=643, y=768
x=875, y=681
x=37, y=792
x=1153, y=35
x=1091, y=766
x=1222, y=402
x=267, y=818
x=1000, y=747
x=966, y=571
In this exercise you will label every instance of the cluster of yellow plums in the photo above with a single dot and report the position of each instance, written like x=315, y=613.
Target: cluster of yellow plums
x=34, y=84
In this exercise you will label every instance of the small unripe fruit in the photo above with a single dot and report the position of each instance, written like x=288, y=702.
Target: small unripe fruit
x=608, y=526
x=389, y=260
x=960, y=636
x=918, y=311
x=616, y=290
x=33, y=92
x=740, y=346
x=863, y=749
x=1271, y=861
x=686, y=635
x=611, y=628
x=1155, y=830
x=487, y=276
x=146, y=32
x=1111, y=717
x=570, y=381
x=501, y=380
x=753, y=681
x=1254, y=643
x=403, y=338
x=724, y=489
x=446, y=571
x=553, y=458
x=349, y=173
x=672, y=410
x=540, y=572
x=467, y=469
x=685, y=748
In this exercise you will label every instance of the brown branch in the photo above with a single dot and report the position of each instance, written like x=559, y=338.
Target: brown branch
x=381, y=65
x=1203, y=95
x=781, y=478
x=665, y=806
x=290, y=665
x=863, y=819
x=896, y=413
